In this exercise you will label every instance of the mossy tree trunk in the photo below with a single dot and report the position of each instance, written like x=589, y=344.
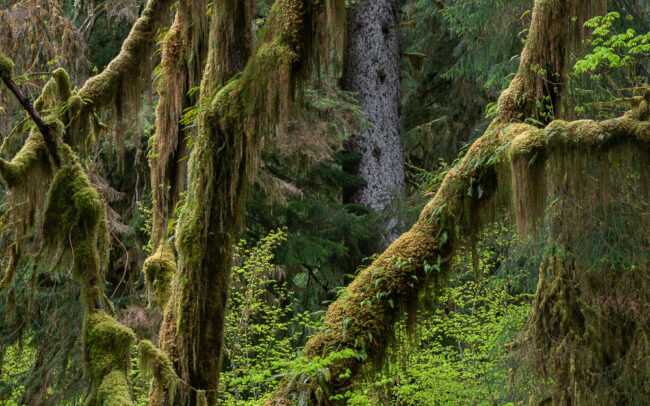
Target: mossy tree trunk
x=75, y=236
x=536, y=91
x=514, y=165
x=372, y=67
x=259, y=102
x=183, y=56
x=192, y=331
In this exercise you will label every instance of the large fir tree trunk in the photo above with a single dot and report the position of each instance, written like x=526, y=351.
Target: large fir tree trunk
x=372, y=70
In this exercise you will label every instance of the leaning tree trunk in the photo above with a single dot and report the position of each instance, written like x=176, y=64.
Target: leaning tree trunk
x=520, y=167
x=372, y=70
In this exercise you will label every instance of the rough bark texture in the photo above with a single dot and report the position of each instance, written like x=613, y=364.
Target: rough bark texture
x=372, y=70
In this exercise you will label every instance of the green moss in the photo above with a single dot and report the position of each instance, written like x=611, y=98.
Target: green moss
x=75, y=103
x=32, y=157
x=122, y=73
x=114, y=390
x=6, y=67
x=159, y=270
x=107, y=344
x=156, y=363
x=63, y=87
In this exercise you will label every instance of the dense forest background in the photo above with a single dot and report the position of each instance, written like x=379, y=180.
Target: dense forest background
x=305, y=231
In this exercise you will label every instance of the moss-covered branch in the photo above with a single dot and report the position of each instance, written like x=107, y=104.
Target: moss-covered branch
x=117, y=81
x=505, y=168
x=74, y=233
x=495, y=173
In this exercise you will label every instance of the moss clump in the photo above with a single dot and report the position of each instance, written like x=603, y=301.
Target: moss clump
x=159, y=270
x=6, y=67
x=32, y=157
x=75, y=215
x=107, y=344
x=156, y=363
x=114, y=390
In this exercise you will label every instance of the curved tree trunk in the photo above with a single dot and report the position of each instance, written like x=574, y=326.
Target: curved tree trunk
x=513, y=165
x=372, y=68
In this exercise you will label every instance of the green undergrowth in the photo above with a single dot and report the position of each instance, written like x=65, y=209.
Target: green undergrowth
x=458, y=353
x=262, y=331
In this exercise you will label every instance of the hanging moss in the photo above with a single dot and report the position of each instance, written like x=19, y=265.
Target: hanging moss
x=74, y=215
x=6, y=67
x=261, y=102
x=12, y=266
x=75, y=228
x=183, y=54
x=31, y=156
x=524, y=169
x=158, y=271
x=156, y=363
x=542, y=62
x=74, y=234
x=122, y=73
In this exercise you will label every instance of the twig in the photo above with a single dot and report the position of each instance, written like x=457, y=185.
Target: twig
x=126, y=261
x=45, y=129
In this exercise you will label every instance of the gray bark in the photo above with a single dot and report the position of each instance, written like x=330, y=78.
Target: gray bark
x=372, y=71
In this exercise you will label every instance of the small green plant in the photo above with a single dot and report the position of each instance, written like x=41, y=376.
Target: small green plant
x=262, y=330
x=611, y=49
x=614, y=69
